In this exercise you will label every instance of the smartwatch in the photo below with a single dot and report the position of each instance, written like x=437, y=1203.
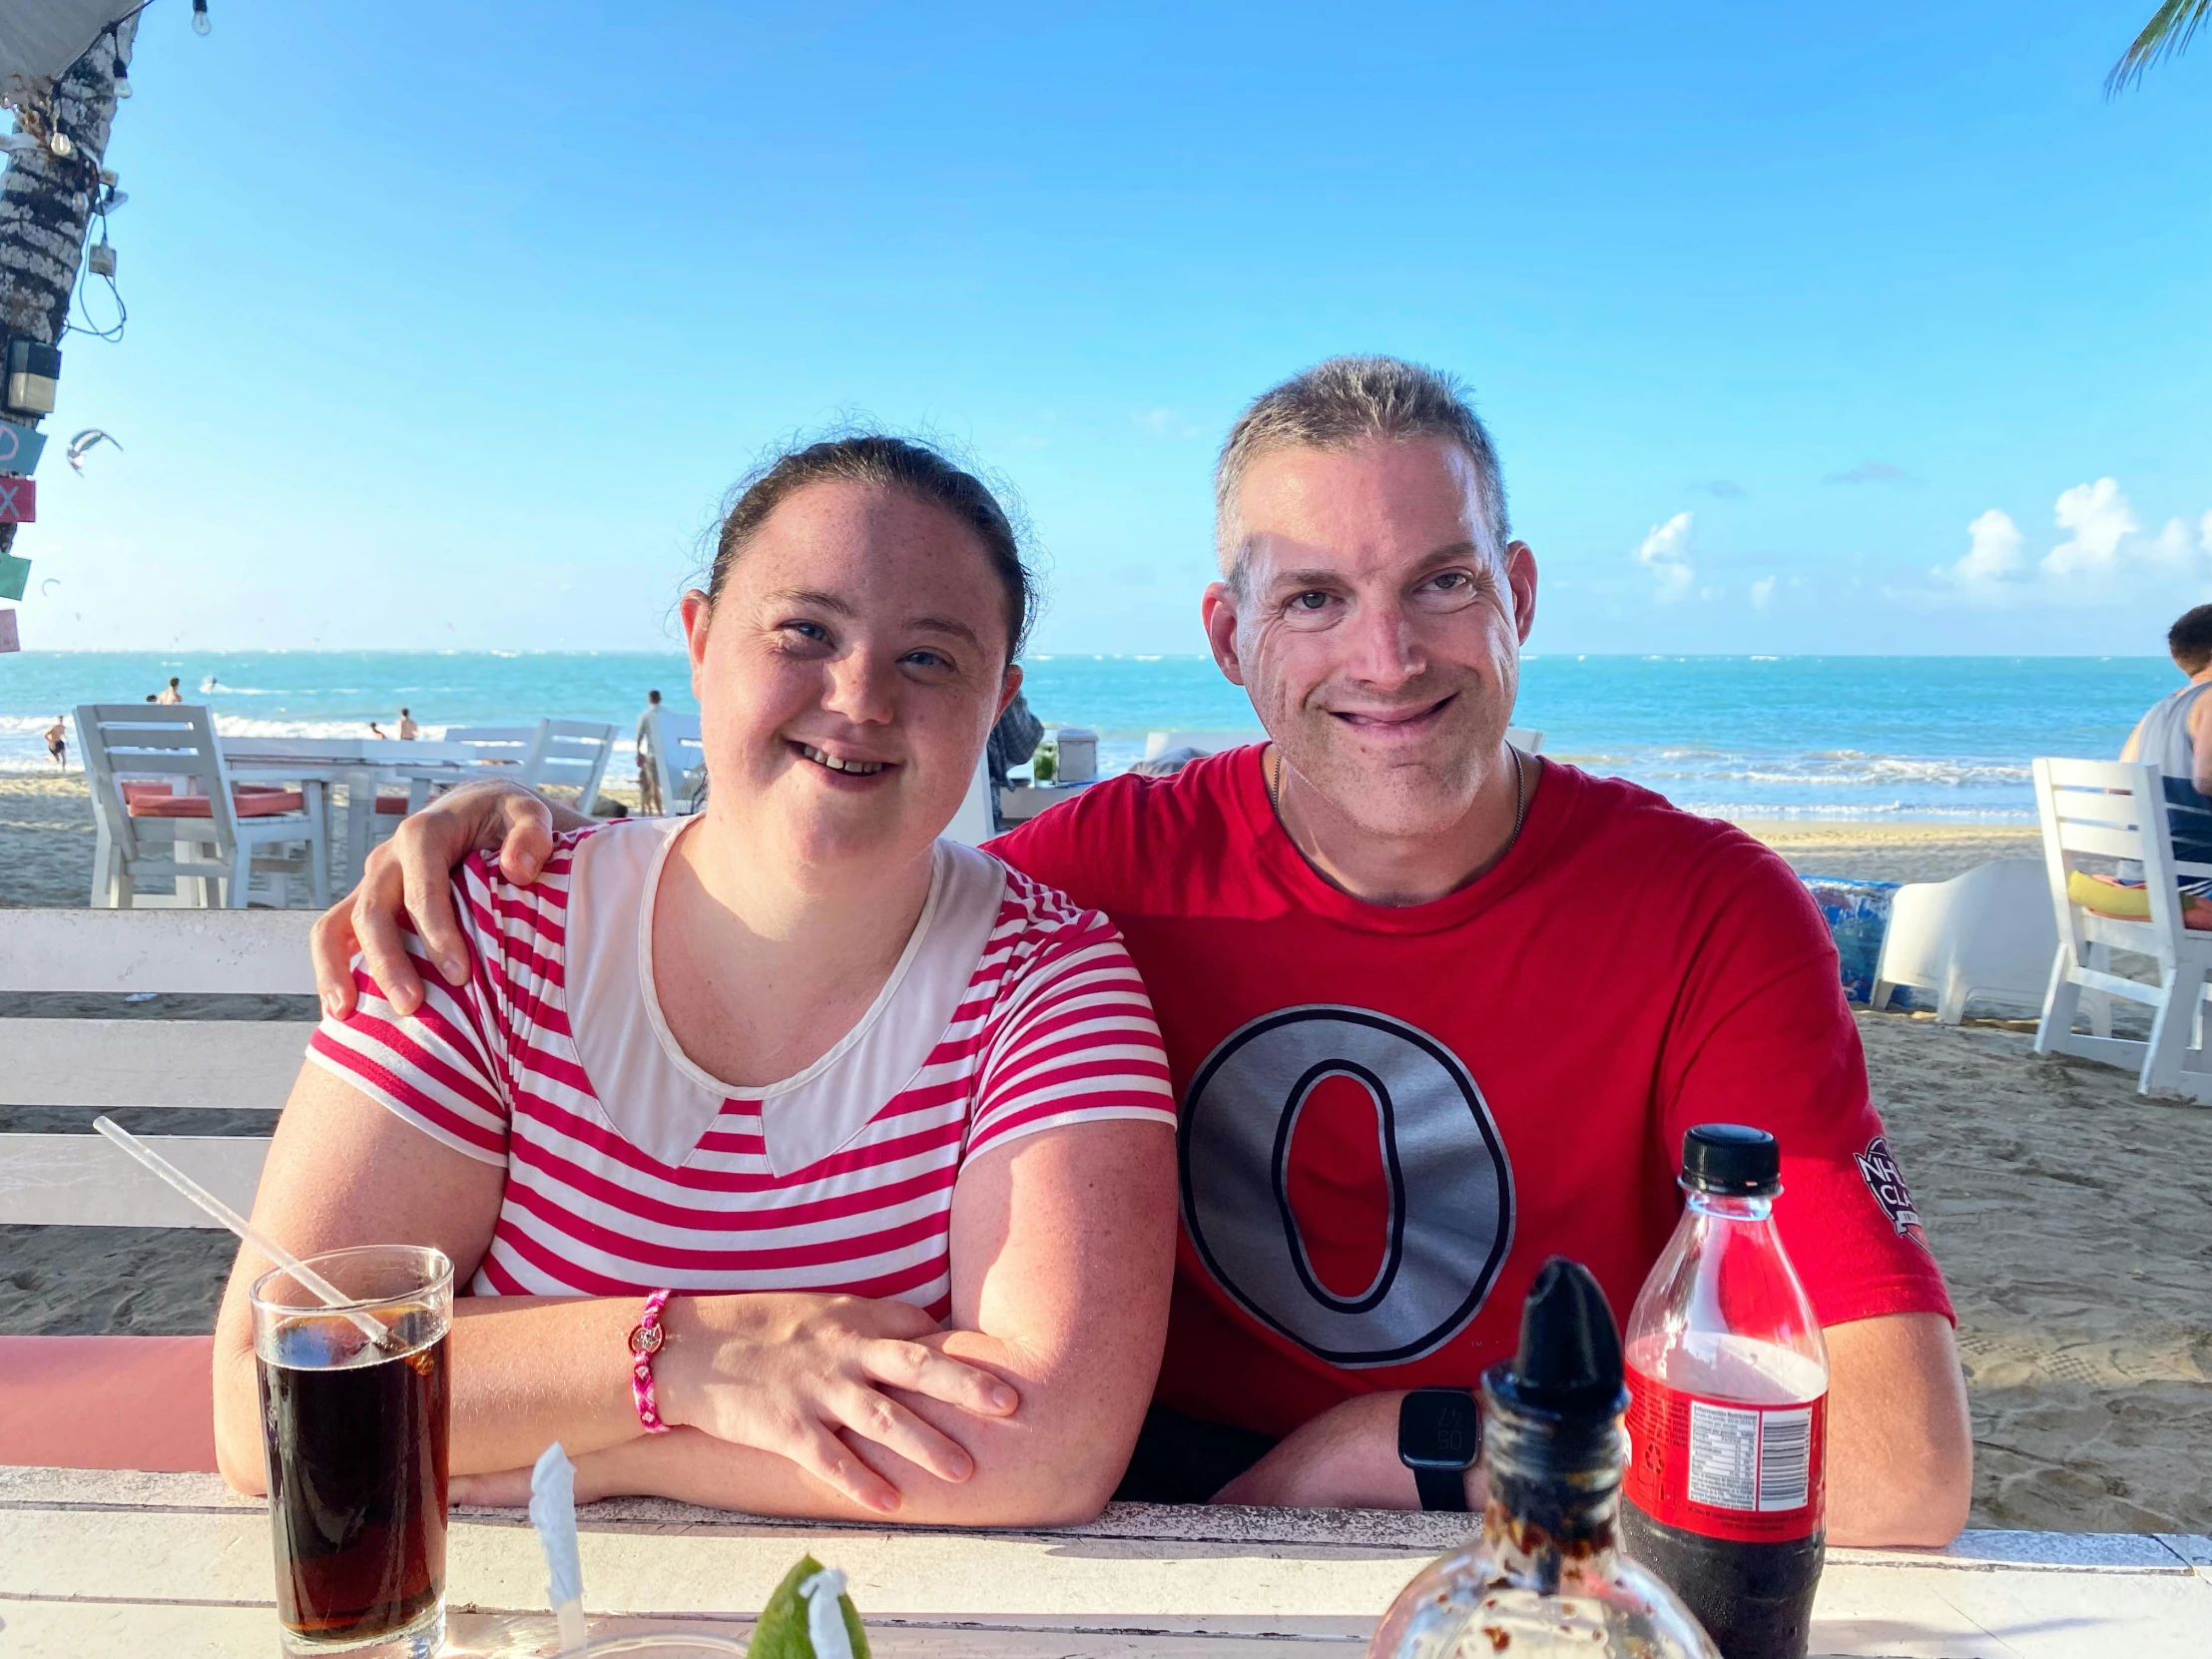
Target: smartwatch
x=1438, y=1433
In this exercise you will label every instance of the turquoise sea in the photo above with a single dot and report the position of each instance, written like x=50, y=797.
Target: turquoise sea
x=1908, y=738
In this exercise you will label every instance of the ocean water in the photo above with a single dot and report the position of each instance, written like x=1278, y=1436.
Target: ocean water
x=1905, y=738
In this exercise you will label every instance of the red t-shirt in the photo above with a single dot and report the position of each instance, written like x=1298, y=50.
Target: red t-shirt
x=1391, y=1117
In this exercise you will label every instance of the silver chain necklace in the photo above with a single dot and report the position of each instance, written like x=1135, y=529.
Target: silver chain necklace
x=1272, y=778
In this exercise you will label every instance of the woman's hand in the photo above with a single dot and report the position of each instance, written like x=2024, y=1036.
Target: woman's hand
x=787, y=1373
x=410, y=876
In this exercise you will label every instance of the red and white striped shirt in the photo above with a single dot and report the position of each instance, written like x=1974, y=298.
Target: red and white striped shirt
x=1012, y=1011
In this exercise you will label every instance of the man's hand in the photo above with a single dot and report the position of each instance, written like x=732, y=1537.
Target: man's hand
x=1346, y=1459
x=410, y=876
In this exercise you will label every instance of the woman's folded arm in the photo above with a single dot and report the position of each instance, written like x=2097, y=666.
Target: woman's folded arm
x=1062, y=1248
x=793, y=1403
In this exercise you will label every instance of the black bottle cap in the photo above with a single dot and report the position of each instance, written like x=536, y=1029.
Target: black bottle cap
x=1569, y=1362
x=1731, y=1161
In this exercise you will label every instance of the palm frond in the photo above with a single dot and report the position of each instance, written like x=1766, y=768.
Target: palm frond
x=2166, y=35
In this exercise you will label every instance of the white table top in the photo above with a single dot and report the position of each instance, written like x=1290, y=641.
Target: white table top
x=94, y=1562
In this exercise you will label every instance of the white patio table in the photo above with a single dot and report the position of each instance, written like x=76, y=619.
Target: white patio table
x=124, y=1563
x=358, y=765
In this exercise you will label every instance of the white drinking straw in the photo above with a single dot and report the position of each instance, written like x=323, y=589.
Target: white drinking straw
x=553, y=1514
x=370, y=1327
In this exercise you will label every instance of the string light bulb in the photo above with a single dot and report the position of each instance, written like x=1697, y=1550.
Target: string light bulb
x=200, y=23
x=121, y=80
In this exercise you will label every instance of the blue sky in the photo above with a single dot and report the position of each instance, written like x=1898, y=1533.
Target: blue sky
x=449, y=325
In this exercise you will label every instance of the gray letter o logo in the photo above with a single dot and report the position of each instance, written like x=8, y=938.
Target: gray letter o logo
x=1451, y=1217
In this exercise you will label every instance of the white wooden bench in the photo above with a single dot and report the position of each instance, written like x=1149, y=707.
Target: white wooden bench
x=80, y=1180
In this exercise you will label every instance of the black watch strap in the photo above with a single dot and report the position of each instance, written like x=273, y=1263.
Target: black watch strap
x=1442, y=1489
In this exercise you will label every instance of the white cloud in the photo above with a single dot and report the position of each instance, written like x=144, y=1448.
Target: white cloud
x=2105, y=554
x=1993, y=554
x=2099, y=517
x=1665, y=552
x=2175, y=549
x=1762, y=593
x=1163, y=423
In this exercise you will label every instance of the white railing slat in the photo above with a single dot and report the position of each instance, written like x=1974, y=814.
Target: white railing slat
x=204, y=952
x=84, y=1181
x=150, y=1062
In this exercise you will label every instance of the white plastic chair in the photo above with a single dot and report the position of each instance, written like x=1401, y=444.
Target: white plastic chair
x=974, y=822
x=1526, y=739
x=2116, y=809
x=569, y=754
x=679, y=761
x=496, y=745
x=166, y=809
x=1986, y=933
x=1157, y=744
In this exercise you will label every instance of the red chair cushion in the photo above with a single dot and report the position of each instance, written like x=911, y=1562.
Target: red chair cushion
x=263, y=802
x=107, y=1402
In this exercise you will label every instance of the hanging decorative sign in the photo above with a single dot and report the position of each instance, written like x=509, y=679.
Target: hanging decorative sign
x=10, y=639
x=20, y=446
x=18, y=501
x=14, y=573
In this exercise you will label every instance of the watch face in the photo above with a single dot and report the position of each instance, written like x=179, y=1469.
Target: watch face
x=1437, y=1428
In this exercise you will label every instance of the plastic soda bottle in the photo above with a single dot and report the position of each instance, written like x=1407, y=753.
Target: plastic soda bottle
x=1728, y=1424
x=1544, y=1579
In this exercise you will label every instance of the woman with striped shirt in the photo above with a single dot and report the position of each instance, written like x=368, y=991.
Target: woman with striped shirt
x=872, y=1135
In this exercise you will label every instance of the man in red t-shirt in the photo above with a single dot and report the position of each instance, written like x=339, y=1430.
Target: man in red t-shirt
x=1436, y=1009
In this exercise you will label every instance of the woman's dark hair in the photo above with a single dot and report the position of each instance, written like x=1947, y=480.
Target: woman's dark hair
x=889, y=463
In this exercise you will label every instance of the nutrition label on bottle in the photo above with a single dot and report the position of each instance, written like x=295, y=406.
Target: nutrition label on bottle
x=1724, y=1468
x=1742, y=1457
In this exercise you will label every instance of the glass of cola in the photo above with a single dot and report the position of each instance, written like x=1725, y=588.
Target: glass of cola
x=354, y=1428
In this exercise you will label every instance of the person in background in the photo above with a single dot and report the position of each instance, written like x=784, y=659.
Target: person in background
x=171, y=692
x=57, y=742
x=1013, y=742
x=649, y=774
x=2176, y=737
x=377, y=731
x=409, y=729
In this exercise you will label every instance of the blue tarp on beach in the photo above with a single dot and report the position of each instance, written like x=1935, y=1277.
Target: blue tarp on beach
x=1857, y=914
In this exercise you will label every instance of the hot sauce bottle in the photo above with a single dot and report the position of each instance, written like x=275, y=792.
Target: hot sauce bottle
x=1544, y=1579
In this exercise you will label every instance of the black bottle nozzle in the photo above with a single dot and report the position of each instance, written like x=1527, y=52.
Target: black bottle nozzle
x=1569, y=1363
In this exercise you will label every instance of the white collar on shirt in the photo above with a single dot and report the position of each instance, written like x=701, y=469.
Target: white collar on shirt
x=655, y=1096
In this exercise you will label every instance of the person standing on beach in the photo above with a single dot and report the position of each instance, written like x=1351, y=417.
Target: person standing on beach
x=409, y=729
x=57, y=742
x=1435, y=1008
x=169, y=693
x=649, y=774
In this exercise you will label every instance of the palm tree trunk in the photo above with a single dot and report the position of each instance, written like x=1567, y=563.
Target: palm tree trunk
x=46, y=201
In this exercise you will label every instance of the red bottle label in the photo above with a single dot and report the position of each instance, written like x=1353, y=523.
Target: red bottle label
x=1723, y=1470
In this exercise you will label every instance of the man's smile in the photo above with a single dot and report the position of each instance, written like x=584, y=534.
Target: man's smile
x=1414, y=720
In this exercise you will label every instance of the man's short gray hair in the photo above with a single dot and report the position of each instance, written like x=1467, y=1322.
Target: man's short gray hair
x=1350, y=400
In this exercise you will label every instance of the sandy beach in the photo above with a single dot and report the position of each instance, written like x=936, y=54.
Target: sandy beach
x=2071, y=1217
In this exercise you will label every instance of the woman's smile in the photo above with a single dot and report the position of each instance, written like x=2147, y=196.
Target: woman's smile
x=850, y=768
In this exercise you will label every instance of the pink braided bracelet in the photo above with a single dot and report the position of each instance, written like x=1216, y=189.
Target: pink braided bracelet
x=646, y=1339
